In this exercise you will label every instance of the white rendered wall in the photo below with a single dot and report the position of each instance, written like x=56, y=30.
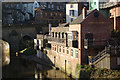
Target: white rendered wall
x=75, y=8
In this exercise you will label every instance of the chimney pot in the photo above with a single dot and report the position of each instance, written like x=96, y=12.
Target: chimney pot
x=84, y=12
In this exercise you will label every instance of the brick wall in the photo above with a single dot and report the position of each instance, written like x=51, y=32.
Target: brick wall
x=99, y=27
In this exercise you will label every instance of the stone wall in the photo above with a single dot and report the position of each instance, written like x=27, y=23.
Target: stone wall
x=104, y=62
x=64, y=61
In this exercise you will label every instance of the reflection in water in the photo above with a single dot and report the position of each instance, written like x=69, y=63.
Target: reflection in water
x=21, y=68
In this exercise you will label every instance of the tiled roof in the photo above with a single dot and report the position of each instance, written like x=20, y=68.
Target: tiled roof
x=80, y=19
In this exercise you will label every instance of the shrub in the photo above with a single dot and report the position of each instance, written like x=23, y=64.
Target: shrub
x=28, y=51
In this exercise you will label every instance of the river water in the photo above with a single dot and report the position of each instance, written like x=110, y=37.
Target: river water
x=23, y=69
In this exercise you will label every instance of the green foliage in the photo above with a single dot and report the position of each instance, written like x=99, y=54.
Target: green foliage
x=28, y=51
x=45, y=51
x=88, y=71
x=81, y=66
x=115, y=33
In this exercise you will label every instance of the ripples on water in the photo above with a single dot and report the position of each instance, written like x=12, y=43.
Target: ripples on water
x=28, y=70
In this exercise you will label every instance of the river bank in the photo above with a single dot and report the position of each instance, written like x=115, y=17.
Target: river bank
x=28, y=69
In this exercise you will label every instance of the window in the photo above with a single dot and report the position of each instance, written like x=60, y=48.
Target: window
x=62, y=34
x=56, y=14
x=67, y=51
x=52, y=34
x=60, y=14
x=76, y=54
x=94, y=3
x=71, y=52
x=71, y=6
x=57, y=7
x=46, y=14
x=58, y=3
x=56, y=34
x=60, y=7
x=60, y=49
x=41, y=13
x=48, y=6
x=71, y=12
x=59, y=34
x=63, y=50
x=52, y=6
x=118, y=60
x=71, y=19
x=89, y=38
x=55, y=47
x=51, y=14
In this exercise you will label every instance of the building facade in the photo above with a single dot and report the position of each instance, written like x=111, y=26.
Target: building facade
x=16, y=12
x=73, y=10
x=71, y=44
x=93, y=4
x=51, y=12
x=115, y=17
x=26, y=11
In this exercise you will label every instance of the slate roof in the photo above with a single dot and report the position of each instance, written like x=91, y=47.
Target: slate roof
x=80, y=19
x=64, y=25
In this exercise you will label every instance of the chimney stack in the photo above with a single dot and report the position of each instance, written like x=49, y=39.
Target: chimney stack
x=49, y=29
x=84, y=12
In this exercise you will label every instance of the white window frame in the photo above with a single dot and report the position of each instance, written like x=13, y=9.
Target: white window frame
x=71, y=52
x=59, y=49
x=67, y=51
x=76, y=54
x=63, y=50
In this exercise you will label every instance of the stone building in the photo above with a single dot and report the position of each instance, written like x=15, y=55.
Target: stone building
x=72, y=43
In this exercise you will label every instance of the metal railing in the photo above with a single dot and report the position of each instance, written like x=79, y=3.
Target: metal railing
x=108, y=4
x=57, y=40
x=112, y=50
x=99, y=55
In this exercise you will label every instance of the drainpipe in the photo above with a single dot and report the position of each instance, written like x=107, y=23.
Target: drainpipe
x=115, y=19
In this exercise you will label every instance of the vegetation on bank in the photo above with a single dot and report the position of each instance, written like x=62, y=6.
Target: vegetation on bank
x=115, y=34
x=28, y=51
x=93, y=72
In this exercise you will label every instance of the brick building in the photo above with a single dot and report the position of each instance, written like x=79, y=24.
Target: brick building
x=53, y=12
x=71, y=44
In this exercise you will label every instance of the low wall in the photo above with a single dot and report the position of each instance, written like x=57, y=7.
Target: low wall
x=104, y=62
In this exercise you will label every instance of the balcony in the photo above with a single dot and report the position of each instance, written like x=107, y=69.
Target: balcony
x=56, y=40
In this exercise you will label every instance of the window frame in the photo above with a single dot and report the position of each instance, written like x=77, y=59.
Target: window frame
x=76, y=54
x=67, y=51
x=63, y=50
x=71, y=52
x=71, y=13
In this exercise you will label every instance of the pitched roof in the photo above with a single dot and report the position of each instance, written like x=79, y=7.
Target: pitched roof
x=80, y=19
x=64, y=25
